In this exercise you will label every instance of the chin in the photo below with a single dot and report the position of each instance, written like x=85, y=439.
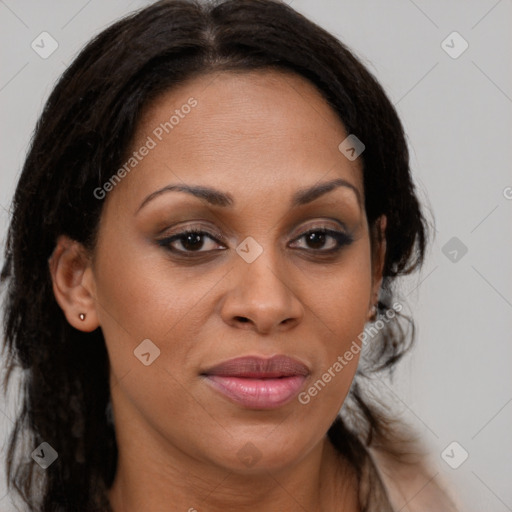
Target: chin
x=261, y=453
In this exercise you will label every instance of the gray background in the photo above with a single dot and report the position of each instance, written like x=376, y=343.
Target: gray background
x=456, y=385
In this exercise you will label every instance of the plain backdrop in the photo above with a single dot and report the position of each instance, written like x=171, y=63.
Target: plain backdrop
x=456, y=107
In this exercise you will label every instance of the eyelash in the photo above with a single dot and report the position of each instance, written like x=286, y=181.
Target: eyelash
x=342, y=239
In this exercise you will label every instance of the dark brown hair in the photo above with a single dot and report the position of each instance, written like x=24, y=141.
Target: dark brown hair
x=85, y=129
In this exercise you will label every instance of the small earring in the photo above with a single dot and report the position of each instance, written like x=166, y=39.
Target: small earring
x=81, y=316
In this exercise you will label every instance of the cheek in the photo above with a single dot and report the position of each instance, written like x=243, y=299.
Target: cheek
x=341, y=300
x=339, y=308
x=141, y=300
x=141, y=293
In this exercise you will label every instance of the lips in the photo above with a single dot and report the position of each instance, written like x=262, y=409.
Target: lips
x=258, y=383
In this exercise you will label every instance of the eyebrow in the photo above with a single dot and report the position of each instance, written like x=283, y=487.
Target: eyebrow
x=224, y=199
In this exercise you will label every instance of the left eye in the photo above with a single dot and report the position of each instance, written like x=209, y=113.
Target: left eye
x=318, y=238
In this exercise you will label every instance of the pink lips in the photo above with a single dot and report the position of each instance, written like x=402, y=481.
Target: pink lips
x=258, y=383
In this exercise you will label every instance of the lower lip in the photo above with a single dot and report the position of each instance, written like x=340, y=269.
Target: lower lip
x=258, y=393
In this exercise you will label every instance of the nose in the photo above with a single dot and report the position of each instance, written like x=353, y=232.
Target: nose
x=261, y=297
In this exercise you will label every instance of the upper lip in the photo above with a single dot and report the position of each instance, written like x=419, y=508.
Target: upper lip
x=259, y=367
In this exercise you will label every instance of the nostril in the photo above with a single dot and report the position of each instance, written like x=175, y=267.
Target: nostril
x=241, y=319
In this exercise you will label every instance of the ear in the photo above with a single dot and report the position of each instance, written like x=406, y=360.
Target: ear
x=378, y=256
x=73, y=283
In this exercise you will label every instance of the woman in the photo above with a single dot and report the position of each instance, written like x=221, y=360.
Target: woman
x=224, y=202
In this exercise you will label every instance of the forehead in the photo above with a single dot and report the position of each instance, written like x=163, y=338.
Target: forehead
x=246, y=131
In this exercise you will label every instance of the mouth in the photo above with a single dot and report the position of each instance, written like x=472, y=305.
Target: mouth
x=258, y=383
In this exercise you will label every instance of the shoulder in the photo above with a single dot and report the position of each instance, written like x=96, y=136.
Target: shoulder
x=414, y=486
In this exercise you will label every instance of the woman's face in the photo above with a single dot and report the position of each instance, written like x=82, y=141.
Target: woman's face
x=255, y=283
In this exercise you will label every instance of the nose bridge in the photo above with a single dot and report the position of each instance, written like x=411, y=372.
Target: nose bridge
x=260, y=275
x=262, y=292
x=263, y=273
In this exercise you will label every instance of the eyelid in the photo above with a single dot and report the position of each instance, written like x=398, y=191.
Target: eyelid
x=320, y=224
x=208, y=230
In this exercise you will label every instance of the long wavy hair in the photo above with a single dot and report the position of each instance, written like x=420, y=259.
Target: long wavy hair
x=84, y=131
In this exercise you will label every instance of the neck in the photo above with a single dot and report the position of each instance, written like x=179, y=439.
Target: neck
x=321, y=481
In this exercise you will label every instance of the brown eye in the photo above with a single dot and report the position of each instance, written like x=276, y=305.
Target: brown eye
x=189, y=241
x=317, y=239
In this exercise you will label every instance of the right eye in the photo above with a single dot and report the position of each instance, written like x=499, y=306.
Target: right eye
x=190, y=240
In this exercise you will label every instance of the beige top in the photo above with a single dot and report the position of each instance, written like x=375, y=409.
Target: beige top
x=414, y=488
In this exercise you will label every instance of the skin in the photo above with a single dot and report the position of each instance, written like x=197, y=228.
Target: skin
x=260, y=136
